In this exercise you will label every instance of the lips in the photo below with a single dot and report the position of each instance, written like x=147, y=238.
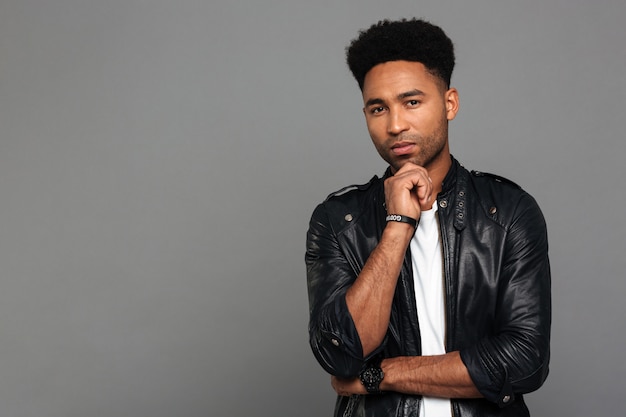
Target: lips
x=403, y=148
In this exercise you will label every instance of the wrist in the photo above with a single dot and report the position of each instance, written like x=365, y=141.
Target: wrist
x=387, y=366
x=399, y=230
x=400, y=218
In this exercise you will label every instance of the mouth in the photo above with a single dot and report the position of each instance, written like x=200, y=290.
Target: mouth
x=403, y=148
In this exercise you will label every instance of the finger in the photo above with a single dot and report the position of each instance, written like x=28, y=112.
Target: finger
x=424, y=189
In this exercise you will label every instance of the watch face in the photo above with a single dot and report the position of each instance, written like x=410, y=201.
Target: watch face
x=372, y=375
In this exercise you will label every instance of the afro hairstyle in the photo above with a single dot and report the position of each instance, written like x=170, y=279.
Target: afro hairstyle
x=412, y=40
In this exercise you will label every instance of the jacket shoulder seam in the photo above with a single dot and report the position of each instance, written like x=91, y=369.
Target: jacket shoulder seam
x=354, y=187
x=494, y=177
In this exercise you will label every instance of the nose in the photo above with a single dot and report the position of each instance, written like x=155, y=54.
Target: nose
x=396, y=122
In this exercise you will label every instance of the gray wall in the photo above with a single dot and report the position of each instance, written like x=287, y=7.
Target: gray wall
x=159, y=161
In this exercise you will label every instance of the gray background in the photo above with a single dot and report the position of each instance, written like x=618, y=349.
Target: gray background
x=159, y=161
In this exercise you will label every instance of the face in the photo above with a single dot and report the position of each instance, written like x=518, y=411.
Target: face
x=407, y=110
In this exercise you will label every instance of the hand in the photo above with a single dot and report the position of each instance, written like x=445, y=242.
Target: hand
x=347, y=386
x=409, y=191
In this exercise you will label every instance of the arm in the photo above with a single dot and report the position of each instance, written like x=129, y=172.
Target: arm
x=515, y=359
x=349, y=315
x=333, y=331
x=369, y=299
x=435, y=376
x=442, y=376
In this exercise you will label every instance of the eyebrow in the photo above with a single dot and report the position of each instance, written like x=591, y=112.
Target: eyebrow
x=401, y=96
x=411, y=93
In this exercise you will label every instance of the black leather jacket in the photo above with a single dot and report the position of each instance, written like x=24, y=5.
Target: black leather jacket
x=497, y=291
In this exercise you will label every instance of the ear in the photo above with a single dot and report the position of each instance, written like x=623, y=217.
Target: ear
x=451, y=98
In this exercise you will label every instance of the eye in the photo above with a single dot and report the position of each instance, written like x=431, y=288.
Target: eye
x=377, y=110
x=413, y=103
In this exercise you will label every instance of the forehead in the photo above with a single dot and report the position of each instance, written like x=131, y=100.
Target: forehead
x=396, y=77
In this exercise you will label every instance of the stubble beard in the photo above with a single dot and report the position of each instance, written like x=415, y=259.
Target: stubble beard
x=430, y=148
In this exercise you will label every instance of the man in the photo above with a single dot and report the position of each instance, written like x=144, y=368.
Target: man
x=429, y=289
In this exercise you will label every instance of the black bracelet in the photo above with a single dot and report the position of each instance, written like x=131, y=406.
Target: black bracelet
x=401, y=219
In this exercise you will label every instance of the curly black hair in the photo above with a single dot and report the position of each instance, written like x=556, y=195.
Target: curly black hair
x=413, y=40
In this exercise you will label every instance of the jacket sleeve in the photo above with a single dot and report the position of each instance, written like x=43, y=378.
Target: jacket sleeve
x=515, y=359
x=332, y=334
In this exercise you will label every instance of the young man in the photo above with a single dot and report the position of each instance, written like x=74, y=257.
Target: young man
x=429, y=289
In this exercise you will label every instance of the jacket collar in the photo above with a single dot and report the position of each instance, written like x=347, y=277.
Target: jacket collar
x=454, y=193
x=451, y=177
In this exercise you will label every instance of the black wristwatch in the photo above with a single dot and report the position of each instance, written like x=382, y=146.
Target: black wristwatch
x=371, y=378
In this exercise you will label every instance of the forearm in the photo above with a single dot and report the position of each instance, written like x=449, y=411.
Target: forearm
x=443, y=376
x=435, y=376
x=370, y=297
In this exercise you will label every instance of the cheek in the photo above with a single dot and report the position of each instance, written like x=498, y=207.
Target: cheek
x=376, y=138
x=376, y=128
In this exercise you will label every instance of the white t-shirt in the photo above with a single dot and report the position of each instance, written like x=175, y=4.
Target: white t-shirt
x=427, y=262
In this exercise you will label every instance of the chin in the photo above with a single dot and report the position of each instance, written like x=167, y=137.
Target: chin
x=396, y=164
x=414, y=160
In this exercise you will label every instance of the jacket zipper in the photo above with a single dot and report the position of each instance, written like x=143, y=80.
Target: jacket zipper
x=446, y=282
